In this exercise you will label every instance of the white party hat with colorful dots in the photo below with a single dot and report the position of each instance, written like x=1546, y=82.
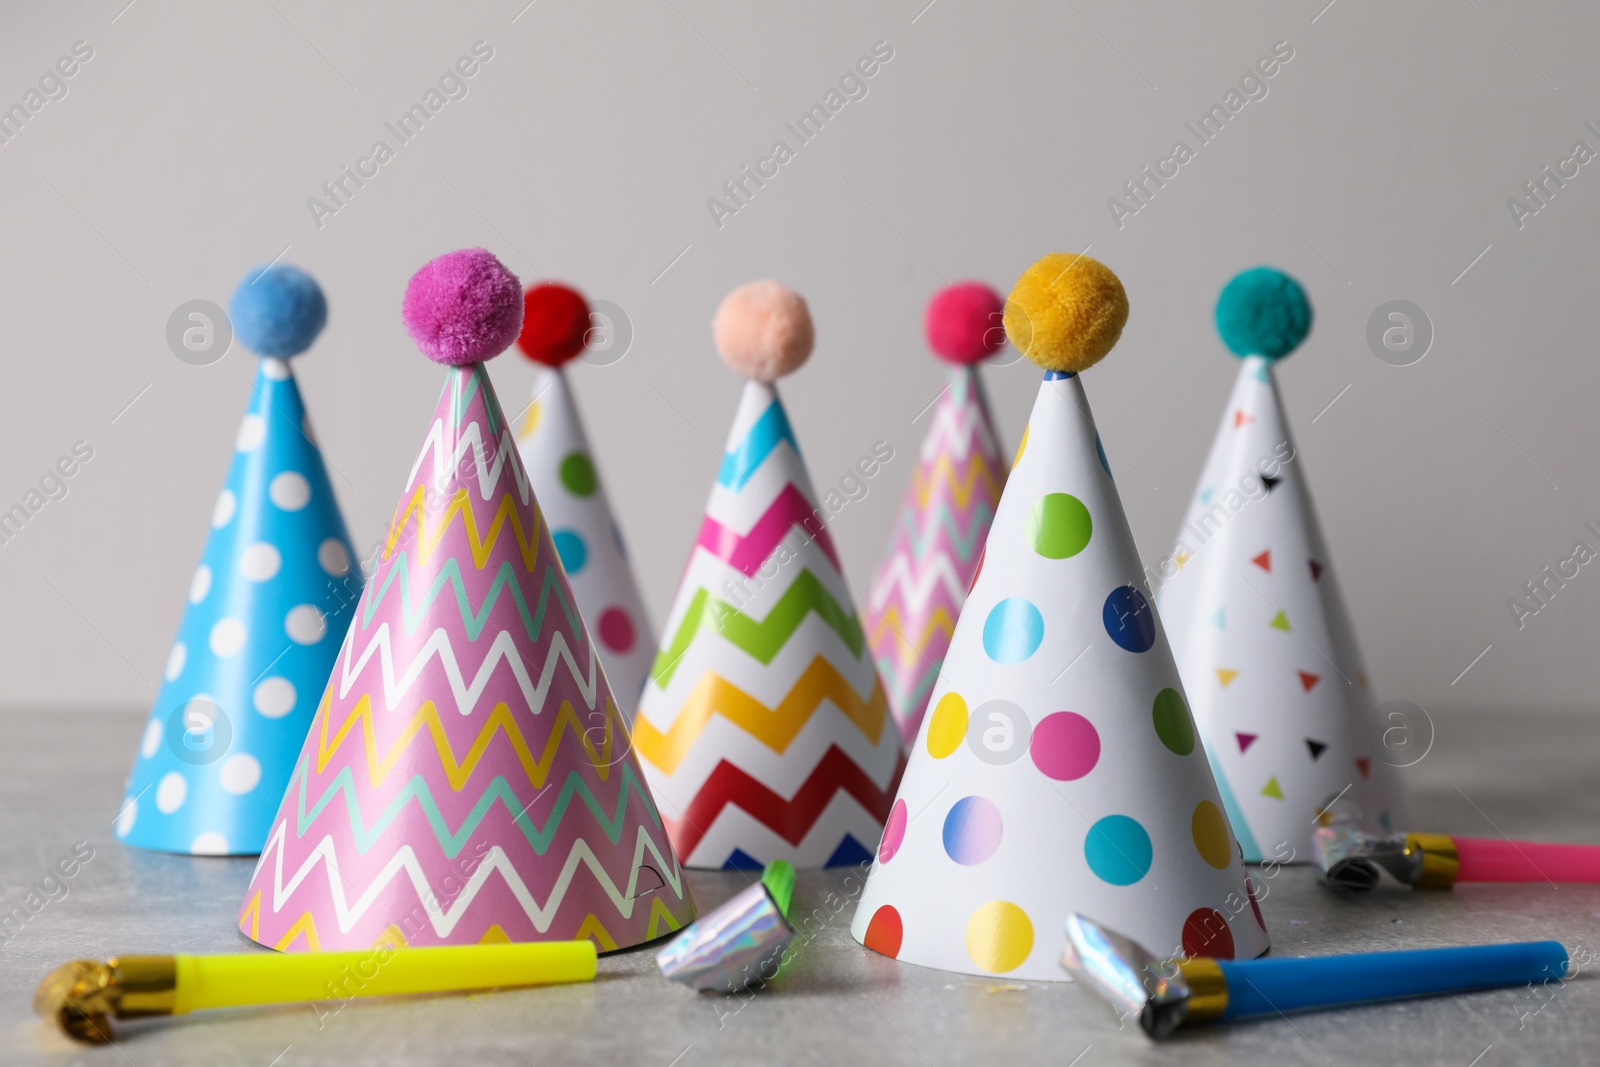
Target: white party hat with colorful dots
x=268, y=606
x=561, y=468
x=1058, y=770
x=1259, y=626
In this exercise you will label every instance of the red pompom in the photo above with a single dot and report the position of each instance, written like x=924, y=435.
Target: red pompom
x=964, y=322
x=555, y=324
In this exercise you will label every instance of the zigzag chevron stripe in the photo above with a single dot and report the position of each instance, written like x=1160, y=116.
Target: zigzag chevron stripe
x=943, y=475
x=472, y=619
x=888, y=621
x=774, y=727
x=747, y=552
x=956, y=429
x=470, y=439
x=495, y=862
x=502, y=648
x=763, y=639
x=461, y=504
x=789, y=819
x=910, y=692
x=917, y=581
x=498, y=790
x=921, y=531
x=591, y=928
x=499, y=720
x=461, y=388
x=768, y=432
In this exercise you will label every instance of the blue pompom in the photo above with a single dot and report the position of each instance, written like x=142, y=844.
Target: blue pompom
x=278, y=310
x=1263, y=312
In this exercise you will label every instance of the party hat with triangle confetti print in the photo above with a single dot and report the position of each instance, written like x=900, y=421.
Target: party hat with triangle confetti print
x=1058, y=770
x=468, y=776
x=919, y=587
x=555, y=449
x=764, y=728
x=1259, y=626
x=268, y=605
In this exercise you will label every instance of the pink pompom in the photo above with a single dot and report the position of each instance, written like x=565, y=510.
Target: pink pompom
x=763, y=330
x=464, y=307
x=964, y=322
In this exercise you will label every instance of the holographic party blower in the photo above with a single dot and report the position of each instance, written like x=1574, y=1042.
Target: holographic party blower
x=739, y=943
x=1349, y=859
x=1166, y=994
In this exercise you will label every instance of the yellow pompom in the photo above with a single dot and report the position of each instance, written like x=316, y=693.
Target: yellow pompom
x=1066, y=312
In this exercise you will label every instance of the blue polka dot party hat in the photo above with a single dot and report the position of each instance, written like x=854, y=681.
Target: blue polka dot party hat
x=1058, y=769
x=1259, y=626
x=554, y=447
x=268, y=607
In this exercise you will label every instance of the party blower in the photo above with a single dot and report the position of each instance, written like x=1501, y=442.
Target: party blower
x=1350, y=859
x=1166, y=994
x=737, y=944
x=82, y=997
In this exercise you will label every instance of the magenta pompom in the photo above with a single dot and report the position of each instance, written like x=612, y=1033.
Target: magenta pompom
x=464, y=307
x=963, y=322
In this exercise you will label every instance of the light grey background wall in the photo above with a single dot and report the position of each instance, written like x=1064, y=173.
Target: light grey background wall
x=1378, y=166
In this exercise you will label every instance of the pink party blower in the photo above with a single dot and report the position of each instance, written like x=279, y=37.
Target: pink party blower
x=1350, y=859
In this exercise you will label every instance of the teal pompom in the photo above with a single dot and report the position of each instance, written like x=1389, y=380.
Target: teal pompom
x=1263, y=312
x=278, y=310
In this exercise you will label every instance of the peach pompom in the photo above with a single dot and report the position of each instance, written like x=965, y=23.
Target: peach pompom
x=763, y=330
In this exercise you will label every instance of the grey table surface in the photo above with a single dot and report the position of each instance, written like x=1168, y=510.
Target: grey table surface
x=1524, y=774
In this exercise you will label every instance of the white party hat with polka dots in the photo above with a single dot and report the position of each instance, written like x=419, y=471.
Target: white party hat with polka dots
x=268, y=607
x=561, y=469
x=1259, y=626
x=1058, y=770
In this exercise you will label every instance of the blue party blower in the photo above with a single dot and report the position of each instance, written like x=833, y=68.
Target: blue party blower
x=1166, y=994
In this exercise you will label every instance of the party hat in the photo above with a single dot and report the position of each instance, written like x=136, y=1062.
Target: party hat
x=1058, y=770
x=764, y=728
x=1259, y=627
x=267, y=606
x=919, y=587
x=555, y=450
x=468, y=776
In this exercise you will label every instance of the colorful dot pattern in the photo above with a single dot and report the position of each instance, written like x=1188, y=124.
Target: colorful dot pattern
x=998, y=730
x=268, y=606
x=572, y=500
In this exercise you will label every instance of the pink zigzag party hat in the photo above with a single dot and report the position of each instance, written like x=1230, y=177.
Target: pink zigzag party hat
x=920, y=585
x=468, y=777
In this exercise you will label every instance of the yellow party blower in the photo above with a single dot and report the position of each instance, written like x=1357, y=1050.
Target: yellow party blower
x=84, y=995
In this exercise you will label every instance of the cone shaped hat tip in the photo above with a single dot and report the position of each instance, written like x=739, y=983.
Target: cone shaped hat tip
x=555, y=324
x=1066, y=312
x=763, y=330
x=278, y=310
x=963, y=322
x=463, y=307
x=1263, y=312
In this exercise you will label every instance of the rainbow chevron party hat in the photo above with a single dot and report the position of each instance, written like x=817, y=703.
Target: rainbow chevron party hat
x=561, y=468
x=268, y=604
x=1058, y=770
x=468, y=776
x=920, y=585
x=764, y=728
x=1259, y=626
